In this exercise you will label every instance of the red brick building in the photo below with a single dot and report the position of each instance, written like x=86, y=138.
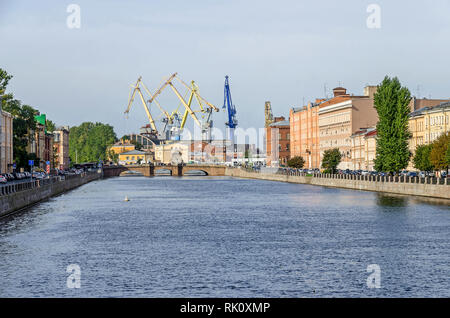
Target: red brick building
x=278, y=142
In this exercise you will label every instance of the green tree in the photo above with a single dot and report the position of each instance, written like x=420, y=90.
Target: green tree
x=90, y=141
x=4, y=80
x=438, y=155
x=421, y=159
x=331, y=159
x=392, y=104
x=23, y=123
x=114, y=157
x=296, y=162
x=447, y=155
x=50, y=126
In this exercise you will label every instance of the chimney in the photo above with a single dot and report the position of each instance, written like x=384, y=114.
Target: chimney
x=339, y=91
x=370, y=91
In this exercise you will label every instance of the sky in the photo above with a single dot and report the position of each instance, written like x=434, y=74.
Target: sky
x=287, y=52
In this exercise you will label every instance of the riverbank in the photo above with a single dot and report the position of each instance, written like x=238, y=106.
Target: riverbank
x=16, y=197
x=402, y=186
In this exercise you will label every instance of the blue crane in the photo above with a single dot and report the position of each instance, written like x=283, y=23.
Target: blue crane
x=228, y=103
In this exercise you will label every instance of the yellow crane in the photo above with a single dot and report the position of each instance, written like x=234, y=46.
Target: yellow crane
x=193, y=92
x=136, y=89
x=187, y=104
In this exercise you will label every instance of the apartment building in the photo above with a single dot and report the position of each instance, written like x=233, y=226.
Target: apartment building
x=341, y=117
x=6, y=142
x=278, y=142
x=304, y=133
x=364, y=149
x=61, y=148
x=427, y=124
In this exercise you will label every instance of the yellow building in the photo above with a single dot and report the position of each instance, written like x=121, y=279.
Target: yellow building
x=364, y=149
x=135, y=157
x=121, y=147
x=173, y=153
x=428, y=124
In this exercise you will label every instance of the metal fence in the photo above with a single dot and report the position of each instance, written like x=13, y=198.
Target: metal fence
x=351, y=177
x=37, y=183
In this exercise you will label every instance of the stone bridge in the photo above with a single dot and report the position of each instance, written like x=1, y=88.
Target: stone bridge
x=175, y=170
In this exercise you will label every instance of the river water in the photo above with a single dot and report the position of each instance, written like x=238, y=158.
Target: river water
x=225, y=237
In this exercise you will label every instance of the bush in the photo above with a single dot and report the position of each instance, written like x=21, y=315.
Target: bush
x=296, y=162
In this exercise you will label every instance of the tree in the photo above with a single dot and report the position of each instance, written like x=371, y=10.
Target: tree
x=331, y=159
x=4, y=80
x=113, y=156
x=392, y=104
x=421, y=159
x=438, y=155
x=296, y=162
x=50, y=126
x=447, y=155
x=89, y=142
x=23, y=123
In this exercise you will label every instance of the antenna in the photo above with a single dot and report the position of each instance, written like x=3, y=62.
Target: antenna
x=325, y=91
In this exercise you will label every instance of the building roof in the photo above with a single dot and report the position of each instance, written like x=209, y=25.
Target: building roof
x=280, y=123
x=134, y=152
x=335, y=100
x=430, y=108
x=119, y=144
x=372, y=131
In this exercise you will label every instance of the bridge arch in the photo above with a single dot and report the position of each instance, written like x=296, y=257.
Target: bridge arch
x=177, y=170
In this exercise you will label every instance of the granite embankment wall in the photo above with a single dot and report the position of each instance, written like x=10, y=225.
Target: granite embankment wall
x=15, y=197
x=405, y=186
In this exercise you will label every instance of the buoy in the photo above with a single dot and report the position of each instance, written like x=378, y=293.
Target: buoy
x=126, y=199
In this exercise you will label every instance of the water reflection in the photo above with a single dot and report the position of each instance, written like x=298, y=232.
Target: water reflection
x=384, y=200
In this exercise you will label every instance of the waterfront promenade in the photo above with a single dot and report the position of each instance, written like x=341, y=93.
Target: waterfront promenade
x=424, y=187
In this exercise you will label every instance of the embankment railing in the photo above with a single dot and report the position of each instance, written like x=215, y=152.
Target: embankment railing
x=37, y=183
x=352, y=177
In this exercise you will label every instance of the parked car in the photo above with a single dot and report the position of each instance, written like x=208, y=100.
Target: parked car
x=38, y=175
x=412, y=174
x=3, y=179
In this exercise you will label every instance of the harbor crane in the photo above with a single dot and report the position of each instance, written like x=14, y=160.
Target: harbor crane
x=228, y=104
x=174, y=122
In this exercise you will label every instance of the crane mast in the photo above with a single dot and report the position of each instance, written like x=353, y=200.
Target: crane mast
x=228, y=104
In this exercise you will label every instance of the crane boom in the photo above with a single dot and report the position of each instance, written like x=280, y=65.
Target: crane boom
x=187, y=106
x=169, y=81
x=130, y=102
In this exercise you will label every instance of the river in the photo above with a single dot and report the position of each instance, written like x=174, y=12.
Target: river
x=225, y=237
